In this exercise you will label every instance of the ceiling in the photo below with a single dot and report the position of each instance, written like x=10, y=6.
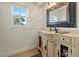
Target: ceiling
x=43, y=4
x=40, y=4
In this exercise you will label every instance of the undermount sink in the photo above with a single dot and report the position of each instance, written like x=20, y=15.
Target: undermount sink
x=63, y=32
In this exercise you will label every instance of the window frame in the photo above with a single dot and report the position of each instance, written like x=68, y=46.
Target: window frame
x=27, y=17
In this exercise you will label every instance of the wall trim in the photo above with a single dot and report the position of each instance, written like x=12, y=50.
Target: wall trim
x=9, y=53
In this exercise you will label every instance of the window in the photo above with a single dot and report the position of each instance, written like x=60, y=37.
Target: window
x=20, y=16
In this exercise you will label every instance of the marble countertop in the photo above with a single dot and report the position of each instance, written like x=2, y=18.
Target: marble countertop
x=71, y=34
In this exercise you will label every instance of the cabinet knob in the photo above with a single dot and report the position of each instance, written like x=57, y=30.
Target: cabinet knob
x=63, y=38
x=45, y=47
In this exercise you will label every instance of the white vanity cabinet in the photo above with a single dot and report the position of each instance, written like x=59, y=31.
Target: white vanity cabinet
x=59, y=45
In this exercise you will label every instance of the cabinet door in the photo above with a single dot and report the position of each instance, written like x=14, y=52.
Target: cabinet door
x=44, y=45
x=50, y=49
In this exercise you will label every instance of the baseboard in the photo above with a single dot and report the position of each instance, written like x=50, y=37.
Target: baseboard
x=9, y=53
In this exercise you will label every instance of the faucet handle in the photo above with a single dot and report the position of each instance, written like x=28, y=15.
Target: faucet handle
x=50, y=28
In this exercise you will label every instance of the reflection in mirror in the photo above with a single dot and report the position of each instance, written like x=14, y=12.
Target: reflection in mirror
x=62, y=14
x=58, y=14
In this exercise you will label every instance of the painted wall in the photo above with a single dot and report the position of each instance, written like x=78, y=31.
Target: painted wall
x=77, y=15
x=15, y=39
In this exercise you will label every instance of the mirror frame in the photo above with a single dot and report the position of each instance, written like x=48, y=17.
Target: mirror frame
x=71, y=17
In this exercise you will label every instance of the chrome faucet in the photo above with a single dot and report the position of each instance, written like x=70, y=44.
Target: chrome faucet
x=50, y=28
x=56, y=30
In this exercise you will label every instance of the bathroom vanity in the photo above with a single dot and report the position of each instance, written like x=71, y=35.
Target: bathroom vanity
x=60, y=44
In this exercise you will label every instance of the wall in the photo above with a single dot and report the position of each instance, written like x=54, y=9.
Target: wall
x=77, y=15
x=15, y=39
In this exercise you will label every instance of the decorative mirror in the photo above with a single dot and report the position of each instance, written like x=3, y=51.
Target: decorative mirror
x=62, y=14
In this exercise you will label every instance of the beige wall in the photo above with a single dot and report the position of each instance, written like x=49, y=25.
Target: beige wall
x=77, y=14
x=14, y=39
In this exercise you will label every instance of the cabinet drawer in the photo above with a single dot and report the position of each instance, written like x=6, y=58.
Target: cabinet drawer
x=65, y=39
x=49, y=35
